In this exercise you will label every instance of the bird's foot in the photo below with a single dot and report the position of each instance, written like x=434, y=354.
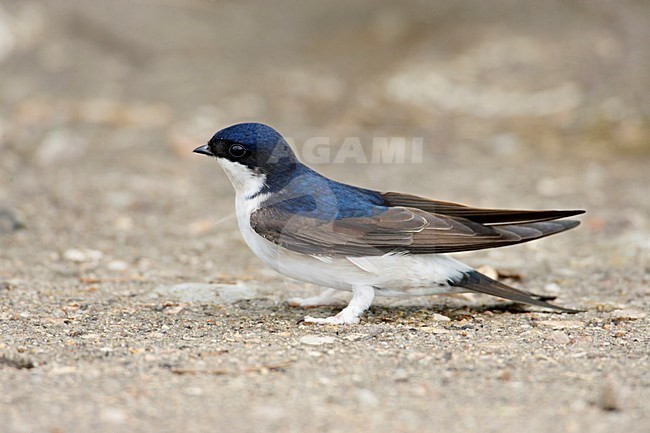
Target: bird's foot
x=343, y=318
x=327, y=297
x=361, y=299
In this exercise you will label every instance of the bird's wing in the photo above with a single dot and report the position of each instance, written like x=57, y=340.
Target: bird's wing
x=483, y=216
x=397, y=229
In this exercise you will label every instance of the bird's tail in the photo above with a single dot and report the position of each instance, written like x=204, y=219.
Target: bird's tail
x=477, y=282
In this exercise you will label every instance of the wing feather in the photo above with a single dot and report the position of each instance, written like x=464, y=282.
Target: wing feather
x=479, y=215
x=396, y=229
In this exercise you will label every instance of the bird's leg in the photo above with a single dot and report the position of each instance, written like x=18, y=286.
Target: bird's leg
x=362, y=297
x=327, y=297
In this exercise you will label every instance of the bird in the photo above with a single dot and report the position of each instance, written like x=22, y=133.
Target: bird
x=347, y=238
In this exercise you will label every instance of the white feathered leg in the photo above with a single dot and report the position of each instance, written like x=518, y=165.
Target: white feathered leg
x=362, y=297
x=327, y=297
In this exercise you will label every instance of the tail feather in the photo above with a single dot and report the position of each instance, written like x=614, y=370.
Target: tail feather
x=478, y=282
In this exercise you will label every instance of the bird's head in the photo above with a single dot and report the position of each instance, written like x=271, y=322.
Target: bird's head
x=250, y=153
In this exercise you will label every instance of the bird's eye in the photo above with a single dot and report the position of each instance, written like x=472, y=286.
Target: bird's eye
x=237, y=150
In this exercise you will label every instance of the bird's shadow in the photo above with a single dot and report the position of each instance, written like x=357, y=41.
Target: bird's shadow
x=453, y=312
x=393, y=313
x=387, y=313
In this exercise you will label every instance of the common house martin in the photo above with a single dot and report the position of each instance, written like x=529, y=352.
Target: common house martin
x=367, y=242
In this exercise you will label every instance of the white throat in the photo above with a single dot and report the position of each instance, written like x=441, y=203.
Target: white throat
x=246, y=182
x=247, y=185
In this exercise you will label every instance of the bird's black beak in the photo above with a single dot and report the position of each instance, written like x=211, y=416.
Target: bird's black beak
x=204, y=150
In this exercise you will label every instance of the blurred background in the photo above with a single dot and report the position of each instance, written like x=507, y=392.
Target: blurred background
x=519, y=103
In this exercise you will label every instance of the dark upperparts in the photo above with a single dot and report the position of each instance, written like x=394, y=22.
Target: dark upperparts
x=300, y=190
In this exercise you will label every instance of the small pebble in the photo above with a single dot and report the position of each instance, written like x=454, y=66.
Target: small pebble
x=367, y=398
x=60, y=146
x=560, y=337
x=194, y=391
x=552, y=288
x=400, y=375
x=124, y=223
x=80, y=256
x=16, y=360
x=113, y=415
x=219, y=294
x=628, y=314
x=488, y=271
x=118, y=265
x=609, y=398
x=9, y=222
x=316, y=340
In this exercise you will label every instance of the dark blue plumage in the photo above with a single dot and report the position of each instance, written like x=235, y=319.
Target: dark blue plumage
x=302, y=191
x=256, y=135
x=295, y=188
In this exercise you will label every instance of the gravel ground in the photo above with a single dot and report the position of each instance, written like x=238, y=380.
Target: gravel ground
x=129, y=302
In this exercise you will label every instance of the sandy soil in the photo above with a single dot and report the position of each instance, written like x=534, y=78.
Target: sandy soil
x=129, y=302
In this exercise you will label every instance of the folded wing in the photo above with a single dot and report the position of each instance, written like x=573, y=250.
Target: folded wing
x=394, y=229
